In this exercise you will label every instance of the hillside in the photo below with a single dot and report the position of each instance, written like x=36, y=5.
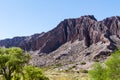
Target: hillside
x=72, y=42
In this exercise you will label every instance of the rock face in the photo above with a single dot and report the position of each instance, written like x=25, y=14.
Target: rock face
x=85, y=28
x=27, y=41
x=73, y=40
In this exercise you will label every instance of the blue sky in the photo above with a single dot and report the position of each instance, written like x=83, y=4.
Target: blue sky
x=26, y=17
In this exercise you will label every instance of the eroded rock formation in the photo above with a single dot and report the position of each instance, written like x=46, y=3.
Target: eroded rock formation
x=85, y=28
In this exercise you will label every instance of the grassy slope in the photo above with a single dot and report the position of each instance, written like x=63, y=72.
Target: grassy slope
x=62, y=75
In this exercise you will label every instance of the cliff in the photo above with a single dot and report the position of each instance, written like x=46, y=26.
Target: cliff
x=85, y=28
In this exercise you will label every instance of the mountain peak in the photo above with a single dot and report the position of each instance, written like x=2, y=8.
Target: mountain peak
x=90, y=17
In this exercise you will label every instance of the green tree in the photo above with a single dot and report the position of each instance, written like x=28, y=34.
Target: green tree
x=109, y=71
x=12, y=61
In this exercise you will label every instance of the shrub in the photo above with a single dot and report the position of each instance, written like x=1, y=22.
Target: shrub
x=83, y=71
x=98, y=72
x=83, y=63
x=108, y=71
x=34, y=73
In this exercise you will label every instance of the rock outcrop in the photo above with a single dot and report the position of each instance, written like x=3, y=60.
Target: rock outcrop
x=85, y=28
x=74, y=40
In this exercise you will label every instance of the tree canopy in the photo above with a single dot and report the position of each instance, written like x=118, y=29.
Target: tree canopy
x=14, y=65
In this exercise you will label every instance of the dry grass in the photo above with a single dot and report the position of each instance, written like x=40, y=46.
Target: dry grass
x=1, y=77
x=61, y=75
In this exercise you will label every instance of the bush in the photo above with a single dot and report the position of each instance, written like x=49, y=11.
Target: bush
x=113, y=66
x=98, y=72
x=83, y=71
x=83, y=63
x=34, y=73
x=108, y=71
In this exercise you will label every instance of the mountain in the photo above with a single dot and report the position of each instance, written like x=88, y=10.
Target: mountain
x=73, y=40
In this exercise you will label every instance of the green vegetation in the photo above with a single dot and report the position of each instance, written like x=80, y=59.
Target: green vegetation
x=70, y=68
x=34, y=73
x=83, y=71
x=62, y=75
x=13, y=66
x=110, y=70
x=98, y=72
x=83, y=63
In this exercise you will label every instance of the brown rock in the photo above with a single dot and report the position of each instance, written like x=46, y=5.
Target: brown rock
x=85, y=28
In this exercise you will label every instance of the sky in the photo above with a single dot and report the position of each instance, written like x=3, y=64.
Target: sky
x=27, y=17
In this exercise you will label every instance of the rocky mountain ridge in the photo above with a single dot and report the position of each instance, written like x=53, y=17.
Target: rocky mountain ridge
x=77, y=39
x=85, y=28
